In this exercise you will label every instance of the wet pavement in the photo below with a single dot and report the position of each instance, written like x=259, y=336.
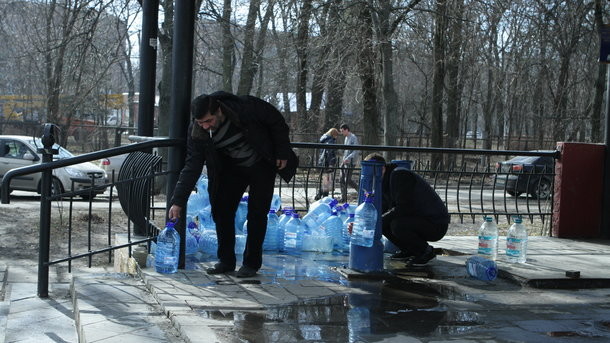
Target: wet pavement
x=317, y=298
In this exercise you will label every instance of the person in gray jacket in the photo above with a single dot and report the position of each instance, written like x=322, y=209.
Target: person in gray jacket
x=244, y=142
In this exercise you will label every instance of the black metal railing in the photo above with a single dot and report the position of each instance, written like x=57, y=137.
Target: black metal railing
x=466, y=179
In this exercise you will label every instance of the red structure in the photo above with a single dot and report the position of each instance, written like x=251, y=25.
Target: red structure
x=577, y=208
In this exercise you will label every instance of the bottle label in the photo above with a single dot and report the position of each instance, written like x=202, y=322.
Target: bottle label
x=487, y=245
x=514, y=246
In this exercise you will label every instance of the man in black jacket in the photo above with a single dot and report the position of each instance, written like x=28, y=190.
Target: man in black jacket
x=244, y=142
x=413, y=213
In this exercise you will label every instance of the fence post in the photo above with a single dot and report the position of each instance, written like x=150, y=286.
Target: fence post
x=369, y=259
x=44, y=236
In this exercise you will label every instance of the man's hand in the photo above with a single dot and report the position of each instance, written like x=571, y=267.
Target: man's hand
x=174, y=212
x=281, y=164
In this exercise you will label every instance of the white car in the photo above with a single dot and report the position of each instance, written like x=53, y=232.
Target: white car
x=19, y=151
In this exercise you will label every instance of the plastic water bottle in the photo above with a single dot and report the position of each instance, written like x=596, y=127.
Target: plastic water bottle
x=365, y=223
x=192, y=239
x=168, y=248
x=345, y=232
x=276, y=202
x=293, y=235
x=208, y=243
x=333, y=227
x=488, y=239
x=241, y=214
x=240, y=243
x=317, y=215
x=481, y=268
x=271, y=235
x=516, y=242
x=317, y=243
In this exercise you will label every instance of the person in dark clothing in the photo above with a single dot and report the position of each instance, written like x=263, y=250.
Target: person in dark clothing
x=244, y=142
x=413, y=213
x=327, y=158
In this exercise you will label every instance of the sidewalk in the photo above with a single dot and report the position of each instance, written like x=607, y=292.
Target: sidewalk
x=322, y=300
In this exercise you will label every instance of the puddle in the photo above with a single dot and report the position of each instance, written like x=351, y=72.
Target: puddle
x=393, y=308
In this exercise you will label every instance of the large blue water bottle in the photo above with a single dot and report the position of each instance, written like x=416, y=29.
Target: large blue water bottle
x=168, y=250
x=293, y=234
x=365, y=223
x=271, y=235
x=318, y=214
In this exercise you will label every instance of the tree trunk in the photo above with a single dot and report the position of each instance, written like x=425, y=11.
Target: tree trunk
x=366, y=70
x=602, y=69
x=301, y=47
x=227, y=48
x=248, y=67
x=438, y=78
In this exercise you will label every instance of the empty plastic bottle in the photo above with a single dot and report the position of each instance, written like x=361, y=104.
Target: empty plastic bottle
x=516, y=242
x=271, y=235
x=276, y=202
x=365, y=223
x=488, y=239
x=208, y=243
x=293, y=234
x=241, y=214
x=318, y=214
x=481, y=268
x=240, y=243
x=168, y=248
x=345, y=229
x=192, y=239
x=333, y=227
x=286, y=215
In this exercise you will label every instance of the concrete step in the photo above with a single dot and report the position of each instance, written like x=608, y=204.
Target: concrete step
x=117, y=307
x=28, y=318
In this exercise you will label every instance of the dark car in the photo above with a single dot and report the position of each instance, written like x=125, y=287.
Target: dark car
x=532, y=175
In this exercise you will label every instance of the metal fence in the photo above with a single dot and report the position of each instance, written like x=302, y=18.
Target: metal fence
x=466, y=180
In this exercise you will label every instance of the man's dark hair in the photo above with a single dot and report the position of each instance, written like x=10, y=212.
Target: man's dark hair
x=344, y=127
x=374, y=157
x=204, y=104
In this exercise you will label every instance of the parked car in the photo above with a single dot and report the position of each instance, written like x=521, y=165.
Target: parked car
x=526, y=174
x=20, y=151
x=112, y=165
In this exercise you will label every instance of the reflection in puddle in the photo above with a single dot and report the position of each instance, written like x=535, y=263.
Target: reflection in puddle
x=392, y=308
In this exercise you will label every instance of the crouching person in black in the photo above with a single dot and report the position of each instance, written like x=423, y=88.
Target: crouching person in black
x=413, y=213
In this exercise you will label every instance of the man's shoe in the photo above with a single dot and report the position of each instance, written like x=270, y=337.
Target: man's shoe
x=220, y=268
x=246, y=271
x=401, y=255
x=422, y=259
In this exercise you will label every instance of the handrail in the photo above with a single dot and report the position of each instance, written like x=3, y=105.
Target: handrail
x=96, y=155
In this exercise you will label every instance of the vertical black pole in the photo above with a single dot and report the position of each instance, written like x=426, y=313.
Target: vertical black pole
x=44, y=235
x=148, y=64
x=605, y=229
x=182, y=67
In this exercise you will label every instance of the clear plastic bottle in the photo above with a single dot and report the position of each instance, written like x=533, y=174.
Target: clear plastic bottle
x=192, y=239
x=516, y=242
x=271, y=235
x=333, y=228
x=346, y=232
x=168, y=248
x=276, y=202
x=208, y=243
x=241, y=214
x=318, y=214
x=293, y=235
x=481, y=268
x=286, y=215
x=488, y=239
x=365, y=223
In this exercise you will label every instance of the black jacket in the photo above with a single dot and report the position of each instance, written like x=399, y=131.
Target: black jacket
x=406, y=194
x=263, y=126
x=328, y=157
